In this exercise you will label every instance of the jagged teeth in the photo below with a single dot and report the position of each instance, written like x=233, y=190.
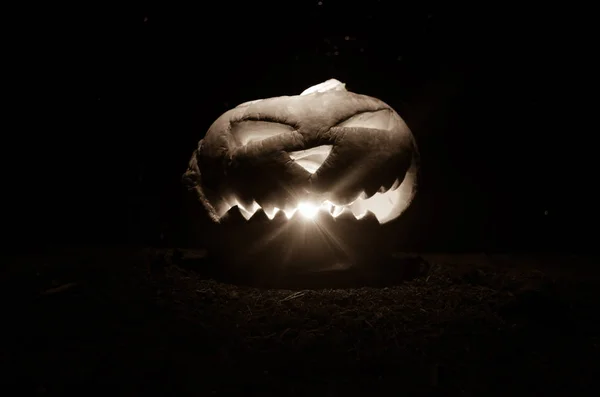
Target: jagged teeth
x=337, y=212
x=393, y=184
x=368, y=195
x=363, y=206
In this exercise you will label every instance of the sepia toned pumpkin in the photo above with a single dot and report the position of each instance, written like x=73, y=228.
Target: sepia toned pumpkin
x=300, y=178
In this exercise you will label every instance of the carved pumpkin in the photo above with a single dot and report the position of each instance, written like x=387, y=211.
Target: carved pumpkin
x=304, y=176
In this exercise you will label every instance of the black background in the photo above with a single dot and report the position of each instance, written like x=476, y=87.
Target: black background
x=118, y=98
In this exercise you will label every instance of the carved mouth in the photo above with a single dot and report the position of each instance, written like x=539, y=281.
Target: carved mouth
x=384, y=205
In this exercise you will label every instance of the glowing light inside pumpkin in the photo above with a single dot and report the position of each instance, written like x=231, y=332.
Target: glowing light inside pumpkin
x=308, y=210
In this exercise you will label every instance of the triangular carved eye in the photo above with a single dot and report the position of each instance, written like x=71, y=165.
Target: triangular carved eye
x=311, y=159
x=252, y=131
x=248, y=131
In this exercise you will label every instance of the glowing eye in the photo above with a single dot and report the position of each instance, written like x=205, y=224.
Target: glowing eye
x=308, y=210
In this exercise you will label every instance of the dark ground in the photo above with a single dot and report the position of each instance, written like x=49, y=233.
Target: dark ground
x=141, y=321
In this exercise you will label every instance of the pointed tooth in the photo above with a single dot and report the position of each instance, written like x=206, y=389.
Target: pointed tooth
x=371, y=190
x=357, y=211
x=259, y=217
x=280, y=217
x=337, y=210
x=268, y=208
x=388, y=182
x=234, y=215
x=271, y=212
x=290, y=213
x=296, y=216
x=396, y=184
x=346, y=215
x=250, y=210
x=289, y=208
x=370, y=217
x=326, y=207
x=245, y=213
x=358, y=208
x=358, y=198
x=374, y=183
x=255, y=206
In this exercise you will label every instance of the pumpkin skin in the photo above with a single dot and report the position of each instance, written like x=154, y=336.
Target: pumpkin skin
x=305, y=180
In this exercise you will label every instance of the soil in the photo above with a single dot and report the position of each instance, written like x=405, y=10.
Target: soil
x=145, y=321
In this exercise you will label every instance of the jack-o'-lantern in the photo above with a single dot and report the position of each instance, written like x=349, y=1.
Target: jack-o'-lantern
x=308, y=179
